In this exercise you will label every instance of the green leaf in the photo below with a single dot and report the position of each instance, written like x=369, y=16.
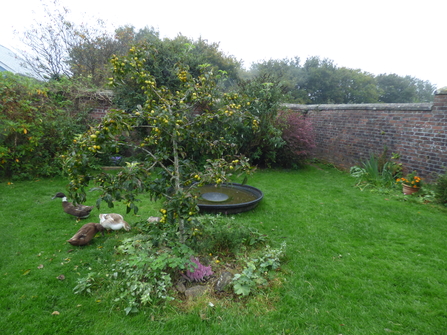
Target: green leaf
x=241, y=289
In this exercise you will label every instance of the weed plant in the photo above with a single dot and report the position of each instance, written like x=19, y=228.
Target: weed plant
x=441, y=188
x=213, y=234
x=357, y=263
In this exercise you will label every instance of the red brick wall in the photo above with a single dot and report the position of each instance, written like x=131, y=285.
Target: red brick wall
x=99, y=113
x=99, y=102
x=347, y=134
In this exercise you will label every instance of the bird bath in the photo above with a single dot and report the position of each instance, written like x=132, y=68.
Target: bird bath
x=228, y=198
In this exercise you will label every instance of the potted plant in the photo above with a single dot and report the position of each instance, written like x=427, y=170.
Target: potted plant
x=411, y=183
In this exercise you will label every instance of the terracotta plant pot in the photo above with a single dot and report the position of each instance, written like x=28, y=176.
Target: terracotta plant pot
x=407, y=190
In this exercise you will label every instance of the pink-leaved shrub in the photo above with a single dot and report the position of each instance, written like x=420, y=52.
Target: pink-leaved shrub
x=298, y=133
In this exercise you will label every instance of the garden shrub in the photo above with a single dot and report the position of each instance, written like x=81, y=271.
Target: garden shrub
x=298, y=133
x=35, y=127
x=441, y=188
x=377, y=171
x=264, y=96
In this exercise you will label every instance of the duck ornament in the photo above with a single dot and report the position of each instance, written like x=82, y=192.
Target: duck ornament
x=79, y=211
x=86, y=233
x=113, y=221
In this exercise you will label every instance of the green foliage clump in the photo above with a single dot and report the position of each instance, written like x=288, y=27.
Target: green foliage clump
x=218, y=234
x=441, y=188
x=162, y=59
x=377, y=172
x=144, y=276
x=35, y=126
x=263, y=96
x=257, y=269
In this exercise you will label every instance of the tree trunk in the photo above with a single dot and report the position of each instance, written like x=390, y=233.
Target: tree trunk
x=177, y=187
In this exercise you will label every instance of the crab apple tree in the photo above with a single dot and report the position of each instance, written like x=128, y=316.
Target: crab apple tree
x=194, y=119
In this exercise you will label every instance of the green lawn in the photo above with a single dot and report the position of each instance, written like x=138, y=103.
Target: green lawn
x=358, y=262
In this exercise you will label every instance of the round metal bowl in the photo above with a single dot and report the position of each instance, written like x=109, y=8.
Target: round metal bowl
x=239, y=198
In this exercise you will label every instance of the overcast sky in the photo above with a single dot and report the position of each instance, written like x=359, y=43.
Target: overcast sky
x=381, y=36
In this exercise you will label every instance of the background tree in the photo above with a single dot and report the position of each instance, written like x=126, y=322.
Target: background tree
x=163, y=58
x=356, y=87
x=320, y=81
x=395, y=88
x=56, y=46
x=48, y=42
x=286, y=72
x=59, y=47
x=90, y=51
x=425, y=90
x=90, y=54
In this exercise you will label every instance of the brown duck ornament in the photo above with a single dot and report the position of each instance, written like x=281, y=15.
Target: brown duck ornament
x=79, y=211
x=86, y=233
x=113, y=221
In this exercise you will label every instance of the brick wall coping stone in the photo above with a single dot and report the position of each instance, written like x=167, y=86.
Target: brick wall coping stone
x=393, y=106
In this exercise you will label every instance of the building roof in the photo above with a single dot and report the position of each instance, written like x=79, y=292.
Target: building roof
x=9, y=61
